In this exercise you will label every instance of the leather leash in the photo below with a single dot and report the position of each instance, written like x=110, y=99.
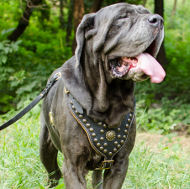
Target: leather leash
x=33, y=103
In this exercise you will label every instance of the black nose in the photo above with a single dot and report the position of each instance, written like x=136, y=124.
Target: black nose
x=156, y=20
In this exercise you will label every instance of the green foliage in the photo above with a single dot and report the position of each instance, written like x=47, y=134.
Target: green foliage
x=135, y=1
x=109, y=2
x=178, y=50
x=27, y=64
x=7, y=50
x=163, y=116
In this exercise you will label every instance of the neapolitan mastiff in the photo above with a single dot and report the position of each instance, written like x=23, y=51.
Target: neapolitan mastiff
x=88, y=114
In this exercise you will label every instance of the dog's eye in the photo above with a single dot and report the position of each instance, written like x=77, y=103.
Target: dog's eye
x=124, y=16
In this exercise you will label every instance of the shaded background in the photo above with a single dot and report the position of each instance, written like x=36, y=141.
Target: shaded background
x=37, y=36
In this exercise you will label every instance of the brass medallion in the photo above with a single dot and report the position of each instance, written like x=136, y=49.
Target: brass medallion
x=110, y=135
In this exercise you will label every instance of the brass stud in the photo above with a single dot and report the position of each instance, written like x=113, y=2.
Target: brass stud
x=115, y=149
x=101, y=138
x=115, y=142
x=129, y=120
x=118, y=129
x=84, y=120
x=105, y=150
x=91, y=129
x=110, y=153
x=100, y=123
x=104, y=125
x=118, y=136
x=110, y=135
x=102, y=131
x=101, y=148
x=93, y=134
x=118, y=146
x=80, y=116
x=73, y=107
x=130, y=115
x=124, y=136
x=125, y=130
x=71, y=102
x=88, y=125
x=122, y=141
x=95, y=140
x=98, y=144
x=105, y=144
x=76, y=112
x=127, y=125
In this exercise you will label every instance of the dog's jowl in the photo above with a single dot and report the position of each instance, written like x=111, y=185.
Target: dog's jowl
x=88, y=114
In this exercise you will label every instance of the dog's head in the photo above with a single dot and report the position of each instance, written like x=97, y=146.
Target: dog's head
x=125, y=38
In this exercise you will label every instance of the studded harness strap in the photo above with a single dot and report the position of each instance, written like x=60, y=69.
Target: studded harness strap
x=104, y=140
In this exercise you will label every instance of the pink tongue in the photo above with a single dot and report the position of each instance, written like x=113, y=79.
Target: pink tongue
x=151, y=67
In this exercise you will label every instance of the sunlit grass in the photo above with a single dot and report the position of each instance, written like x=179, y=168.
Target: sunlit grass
x=161, y=164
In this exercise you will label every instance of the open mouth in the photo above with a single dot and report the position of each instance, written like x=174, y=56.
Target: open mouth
x=121, y=66
x=145, y=61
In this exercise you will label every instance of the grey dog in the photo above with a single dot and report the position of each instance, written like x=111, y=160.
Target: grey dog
x=115, y=48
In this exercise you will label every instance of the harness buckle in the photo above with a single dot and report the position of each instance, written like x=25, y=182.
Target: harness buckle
x=106, y=164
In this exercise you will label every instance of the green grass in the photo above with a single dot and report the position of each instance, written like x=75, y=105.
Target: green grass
x=153, y=164
x=167, y=166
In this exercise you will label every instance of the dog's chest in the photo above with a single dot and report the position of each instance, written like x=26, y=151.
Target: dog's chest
x=105, y=141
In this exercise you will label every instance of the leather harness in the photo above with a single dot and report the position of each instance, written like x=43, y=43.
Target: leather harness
x=105, y=141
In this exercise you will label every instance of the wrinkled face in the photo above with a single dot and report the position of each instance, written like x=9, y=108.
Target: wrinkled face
x=130, y=37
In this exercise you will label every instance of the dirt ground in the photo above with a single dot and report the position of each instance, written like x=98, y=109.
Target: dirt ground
x=154, y=141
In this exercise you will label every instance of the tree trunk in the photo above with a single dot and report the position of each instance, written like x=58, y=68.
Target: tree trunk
x=78, y=14
x=96, y=5
x=70, y=21
x=159, y=9
x=183, y=2
x=174, y=8
x=61, y=16
x=24, y=20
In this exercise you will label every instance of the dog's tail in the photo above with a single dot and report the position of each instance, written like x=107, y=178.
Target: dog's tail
x=33, y=103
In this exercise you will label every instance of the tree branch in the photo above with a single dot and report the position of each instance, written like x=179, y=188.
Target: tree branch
x=24, y=20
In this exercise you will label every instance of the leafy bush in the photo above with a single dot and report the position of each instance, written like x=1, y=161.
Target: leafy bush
x=27, y=64
x=25, y=70
x=7, y=49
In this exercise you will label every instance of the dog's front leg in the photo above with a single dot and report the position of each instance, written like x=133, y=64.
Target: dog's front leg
x=114, y=177
x=74, y=174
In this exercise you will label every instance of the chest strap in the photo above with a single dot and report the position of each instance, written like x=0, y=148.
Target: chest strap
x=104, y=140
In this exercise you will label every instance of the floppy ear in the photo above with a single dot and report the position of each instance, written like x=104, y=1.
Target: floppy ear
x=85, y=30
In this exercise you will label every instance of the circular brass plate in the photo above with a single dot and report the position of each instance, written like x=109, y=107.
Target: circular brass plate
x=110, y=135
